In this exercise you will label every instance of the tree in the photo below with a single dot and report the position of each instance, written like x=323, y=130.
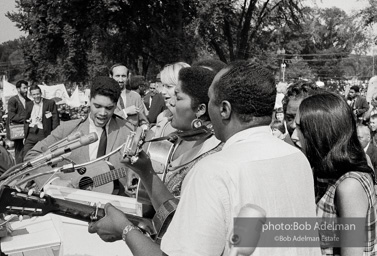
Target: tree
x=66, y=37
x=334, y=35
x=235, y=29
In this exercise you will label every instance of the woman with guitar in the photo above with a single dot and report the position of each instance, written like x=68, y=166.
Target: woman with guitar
x=188, y=102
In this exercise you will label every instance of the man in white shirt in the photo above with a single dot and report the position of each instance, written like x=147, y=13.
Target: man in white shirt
x=130, y=105
x=252, y=168
x=42, y=117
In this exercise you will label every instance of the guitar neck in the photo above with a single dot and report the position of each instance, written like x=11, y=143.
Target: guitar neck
x=86, y=212
x=110, y=176
x=21, y=203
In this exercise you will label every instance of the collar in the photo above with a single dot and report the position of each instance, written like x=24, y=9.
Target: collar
x=366, y=147
x=245, y=134
x=91, y=124
x=125, y=92
x=38, y=104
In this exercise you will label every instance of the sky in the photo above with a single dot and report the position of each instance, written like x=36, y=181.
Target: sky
x=8, y=31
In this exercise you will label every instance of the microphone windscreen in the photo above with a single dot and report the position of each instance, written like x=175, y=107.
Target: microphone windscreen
x=90, y=138
x=75, y=135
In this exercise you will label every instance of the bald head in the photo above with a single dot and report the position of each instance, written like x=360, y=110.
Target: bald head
x=363, y=134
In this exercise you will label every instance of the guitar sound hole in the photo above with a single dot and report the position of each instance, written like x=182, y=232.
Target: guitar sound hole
x=81, y=170
x=86, y=183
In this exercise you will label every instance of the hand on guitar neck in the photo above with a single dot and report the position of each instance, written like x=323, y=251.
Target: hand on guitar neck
x=142, y=167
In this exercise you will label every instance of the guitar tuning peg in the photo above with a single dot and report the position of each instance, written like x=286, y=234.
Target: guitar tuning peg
x=42, y=195
x=92, y=204
x=18, y=189
x=30, y=192
x=20, y=218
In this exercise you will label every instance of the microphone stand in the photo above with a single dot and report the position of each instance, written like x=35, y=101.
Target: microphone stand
x=64, y=168
x=23, y=173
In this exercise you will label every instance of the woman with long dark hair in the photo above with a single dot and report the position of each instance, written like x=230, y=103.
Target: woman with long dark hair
x=325, y=130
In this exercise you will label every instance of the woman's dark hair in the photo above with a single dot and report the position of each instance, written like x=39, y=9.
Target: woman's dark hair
x=331, y=142
x=195, y=82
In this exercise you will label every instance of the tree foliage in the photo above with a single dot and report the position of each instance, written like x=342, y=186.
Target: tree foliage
x=75, y=40
x=239, y=29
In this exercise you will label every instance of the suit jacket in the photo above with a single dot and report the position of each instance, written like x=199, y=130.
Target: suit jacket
x=361, y=105
x=133, y=98
x=157, y=106
x=6, y=160
x=147, y=99
x=118, y=131
x=372, y=153
x=16, y=111
x=49, y=123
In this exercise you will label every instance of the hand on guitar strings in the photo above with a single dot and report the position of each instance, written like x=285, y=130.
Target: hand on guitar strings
x=110, y=227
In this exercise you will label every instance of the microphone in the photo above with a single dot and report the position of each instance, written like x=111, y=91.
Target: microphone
x=83, y=141
x=250, y=235
x=69, y=138
x=51, y=162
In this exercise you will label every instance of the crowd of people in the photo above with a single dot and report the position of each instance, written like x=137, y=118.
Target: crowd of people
x=228, y=148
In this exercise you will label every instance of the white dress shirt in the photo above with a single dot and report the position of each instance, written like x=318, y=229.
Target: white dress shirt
x=36, y=115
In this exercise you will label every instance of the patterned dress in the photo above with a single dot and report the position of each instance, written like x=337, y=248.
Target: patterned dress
x=326, y=208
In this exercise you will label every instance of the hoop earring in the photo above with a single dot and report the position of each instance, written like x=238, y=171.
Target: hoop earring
x=196, y=123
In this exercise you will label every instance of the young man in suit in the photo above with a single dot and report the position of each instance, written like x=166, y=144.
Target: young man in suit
x=154, y=101
x=104, y=95
x=41, y=118
x=358, y=103
x=17, y=115
x=130, y=105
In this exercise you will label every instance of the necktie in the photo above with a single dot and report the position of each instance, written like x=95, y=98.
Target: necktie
x=102, y=144
x=121, y=102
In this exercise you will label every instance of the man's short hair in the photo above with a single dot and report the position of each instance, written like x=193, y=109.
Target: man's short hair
x=20, y=83
x=117, y=65
x=106, y=86
x=373, y=116
x=299, y=90
x=278, y=125
x=35, y=87
x=355, y=88
x=212, y=64
x=364, y=129
x=136, y=82
x=249, y=88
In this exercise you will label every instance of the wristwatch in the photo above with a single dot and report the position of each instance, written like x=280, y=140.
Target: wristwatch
x=127, y=229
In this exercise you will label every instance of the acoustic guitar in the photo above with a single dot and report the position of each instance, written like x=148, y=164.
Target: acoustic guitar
x=20, y=203
x=98, y=176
